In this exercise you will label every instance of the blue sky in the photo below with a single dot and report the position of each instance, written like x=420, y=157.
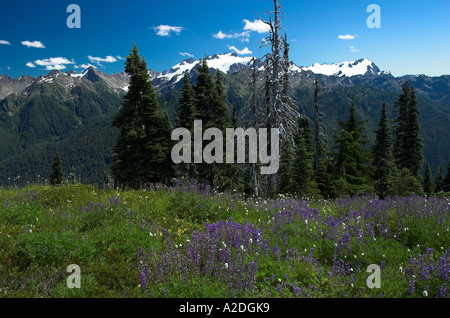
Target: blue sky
x=414, y=37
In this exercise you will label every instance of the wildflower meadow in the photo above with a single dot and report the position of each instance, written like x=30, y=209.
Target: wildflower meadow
x=188, y=241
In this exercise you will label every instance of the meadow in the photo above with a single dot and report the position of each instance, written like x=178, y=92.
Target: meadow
x=188, y=241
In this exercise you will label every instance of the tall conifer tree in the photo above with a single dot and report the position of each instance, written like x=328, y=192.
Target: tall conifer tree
x=142, y=151
x=446, y=182
x=351, y=159
x=401, y=125
x=57, y=176
x=383, y=159
x=439, y=179
x=427, y=182
x=414, y=157
x=185, y=119
x=303, y=180
x=186, y=111
x=408, y=147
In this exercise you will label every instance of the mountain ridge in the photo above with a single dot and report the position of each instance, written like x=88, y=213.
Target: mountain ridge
x=42, y=114
x=227, y=63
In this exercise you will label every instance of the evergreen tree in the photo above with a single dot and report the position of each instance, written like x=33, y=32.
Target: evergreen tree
x=186, y=111
x=204, y=94
x=213, y=111
x=439, y=179
x=57, y=176
x=303, y=163
x=351, y=159
x=142, y=151
x=408, y=147
x=446, y=182
x=285, y=172
x=401, y=126
x=219, y=111
x=427, y=182
x=185, y=118
x=383, y=159
x=403, y=183
x=413, y=140
x=321, y=158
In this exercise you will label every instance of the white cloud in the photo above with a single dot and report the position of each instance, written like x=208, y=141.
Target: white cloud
x=220, y=35
x=54, y=63
x=243, y=36
x=29, y=64
x=347, y=37
x=165, y=30
x=187, y=54
x=353, y=49
x=57, y=67
x=245, y=51
x=84, y=66
x=257, y=25
x=120, y=58
x=35, y=44
x=99, y=60
x=5, y=42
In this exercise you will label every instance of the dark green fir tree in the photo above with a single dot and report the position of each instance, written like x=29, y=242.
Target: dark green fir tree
x=285, y=171
x=352, y=168
x=408, y=147
x=186, y=110
x=142, y=151
x=383, y=159
x=413, y=156
x=446, y=182
x=304, y=183
x=439, y=180
x=427, y=182
x=57, y=176
x=401, y=127
x=185, y=118
x=203, y=90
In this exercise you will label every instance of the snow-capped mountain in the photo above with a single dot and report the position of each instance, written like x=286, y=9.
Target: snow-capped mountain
x=348, y=69
x=227, y=63
x=118, y=82
x=231, y=63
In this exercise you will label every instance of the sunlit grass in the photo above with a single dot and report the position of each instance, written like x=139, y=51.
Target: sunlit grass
x=155, y=243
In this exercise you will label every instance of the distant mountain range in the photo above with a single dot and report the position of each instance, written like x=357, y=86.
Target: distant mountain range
x=70, y=113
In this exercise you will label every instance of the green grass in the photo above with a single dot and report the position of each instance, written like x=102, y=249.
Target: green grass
x=44, y=229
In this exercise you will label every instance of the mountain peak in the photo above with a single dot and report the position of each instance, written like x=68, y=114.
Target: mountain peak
x=92, y=74
x=359, y=67
x=225, y=62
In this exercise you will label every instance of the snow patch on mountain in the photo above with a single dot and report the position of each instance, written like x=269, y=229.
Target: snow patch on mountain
x=224, y=62
x=348, y=68
x=179, y=69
